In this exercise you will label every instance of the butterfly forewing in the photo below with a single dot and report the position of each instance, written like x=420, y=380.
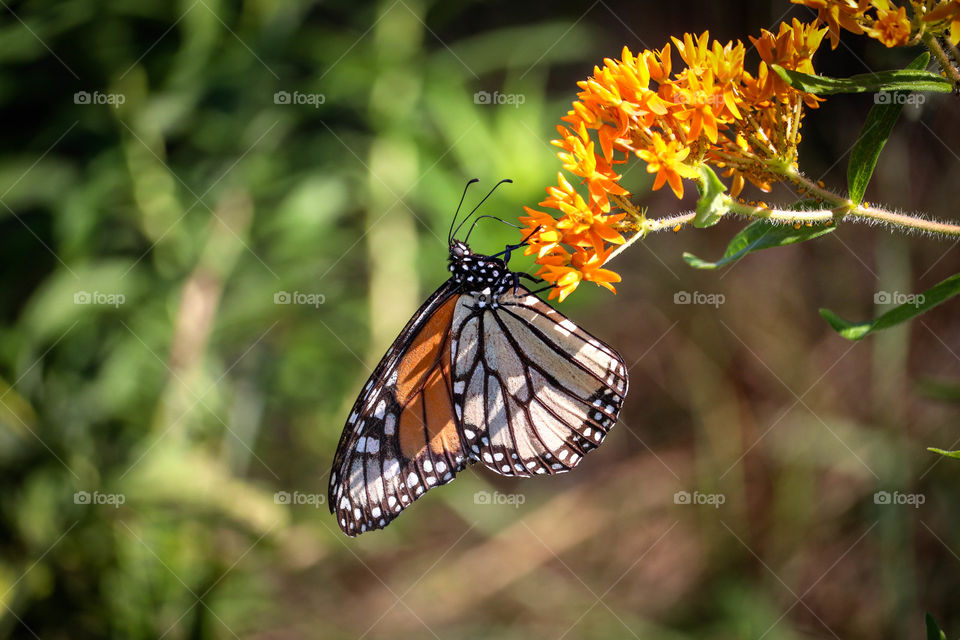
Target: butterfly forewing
x=535, y=391
x=402, y=437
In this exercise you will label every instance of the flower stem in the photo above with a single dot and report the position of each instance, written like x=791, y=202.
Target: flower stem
x=784, y=216
x=648, y=225
x=841, y=209
x=943, y=59
x=844, y=209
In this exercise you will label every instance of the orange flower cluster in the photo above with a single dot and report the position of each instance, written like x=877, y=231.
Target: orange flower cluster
x=710, y=111
x=887, y=21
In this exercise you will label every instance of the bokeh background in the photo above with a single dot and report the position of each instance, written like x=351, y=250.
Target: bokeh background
x=169, y=170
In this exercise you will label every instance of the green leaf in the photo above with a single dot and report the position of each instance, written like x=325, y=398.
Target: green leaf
x=756, y=236
x=943, y=452
x=896, y=80
x=933, y=630
x=713, y=202
x=873, y=136
x=939, y=389
x=918, y=304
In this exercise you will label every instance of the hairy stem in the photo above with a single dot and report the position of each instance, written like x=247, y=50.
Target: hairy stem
x=844, y=209
x=647, y=225
x=946, y=65
x=840, y=209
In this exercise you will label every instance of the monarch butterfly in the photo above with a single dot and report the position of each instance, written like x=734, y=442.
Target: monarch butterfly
x=485, y=371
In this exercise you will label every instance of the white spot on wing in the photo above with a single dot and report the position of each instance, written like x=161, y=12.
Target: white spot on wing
x=566, y=327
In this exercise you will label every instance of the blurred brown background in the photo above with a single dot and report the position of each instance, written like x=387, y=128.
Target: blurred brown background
x=216, y=217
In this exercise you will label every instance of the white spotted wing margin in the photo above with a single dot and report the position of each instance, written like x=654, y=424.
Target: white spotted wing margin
x=534, y=391
x=375, y=476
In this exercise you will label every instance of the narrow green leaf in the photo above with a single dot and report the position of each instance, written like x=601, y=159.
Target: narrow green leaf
x=756, y=236
x=713, y=202
x=939, y=389
x=873, y=136
x=896, y=80
x=915, y=306
x=933, y=629
x=949, y=454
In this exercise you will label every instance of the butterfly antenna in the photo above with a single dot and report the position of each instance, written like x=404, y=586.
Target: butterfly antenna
x=450, y=233
x=481, y=202
x=479, y=218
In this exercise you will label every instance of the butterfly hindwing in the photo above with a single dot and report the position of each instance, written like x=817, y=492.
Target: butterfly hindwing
x=535, y=391
x=402, y=437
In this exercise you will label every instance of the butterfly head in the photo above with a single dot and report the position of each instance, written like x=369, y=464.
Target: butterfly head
x=459, y=250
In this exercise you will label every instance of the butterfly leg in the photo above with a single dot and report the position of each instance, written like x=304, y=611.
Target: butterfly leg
x=541, y=290
x=513, y=247
x=516, y=280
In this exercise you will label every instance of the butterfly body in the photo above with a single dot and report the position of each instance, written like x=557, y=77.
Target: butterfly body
x=484, y=372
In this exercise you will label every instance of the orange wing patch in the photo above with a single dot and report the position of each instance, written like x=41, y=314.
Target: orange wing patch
x=423, y=391
x=424, y=353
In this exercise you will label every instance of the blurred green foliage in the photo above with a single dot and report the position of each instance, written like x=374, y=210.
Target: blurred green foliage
x=156, y=160
x=156, y=391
